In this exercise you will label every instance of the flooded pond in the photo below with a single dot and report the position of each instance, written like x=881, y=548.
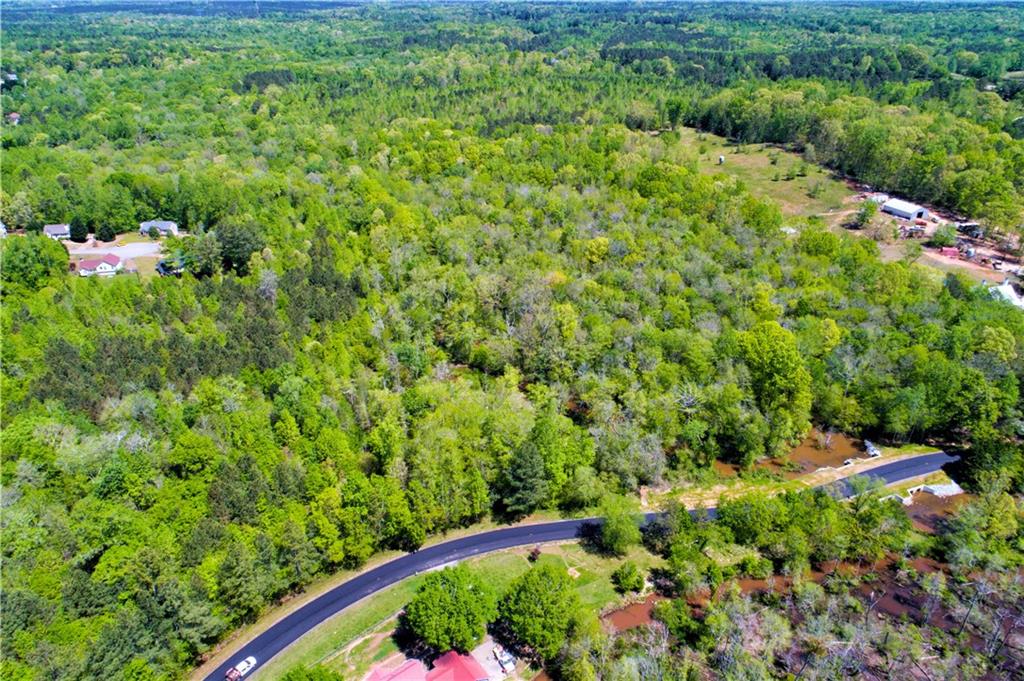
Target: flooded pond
x=633, y=615
x=927, y=510
x=818, y=450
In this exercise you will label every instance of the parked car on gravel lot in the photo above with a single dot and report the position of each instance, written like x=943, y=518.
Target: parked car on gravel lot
x=505, y=660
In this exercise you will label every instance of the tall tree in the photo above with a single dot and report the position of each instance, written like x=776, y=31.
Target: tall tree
x=781, y=382
x=526, y=486
x=620, y=528
x=541, y=609
x=451, y=609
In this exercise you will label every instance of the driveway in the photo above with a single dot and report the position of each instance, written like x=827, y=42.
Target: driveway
x=484, y=654
x=127, y=252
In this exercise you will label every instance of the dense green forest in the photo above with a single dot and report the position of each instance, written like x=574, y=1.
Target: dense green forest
x=441, y=269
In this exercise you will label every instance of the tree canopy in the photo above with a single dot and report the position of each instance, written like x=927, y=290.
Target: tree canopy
x=451, y=610
x=450, y=262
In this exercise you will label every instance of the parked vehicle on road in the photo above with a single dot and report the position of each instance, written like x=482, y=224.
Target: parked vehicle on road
x=241, y=669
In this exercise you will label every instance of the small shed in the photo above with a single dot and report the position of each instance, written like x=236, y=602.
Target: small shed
x=904, y=209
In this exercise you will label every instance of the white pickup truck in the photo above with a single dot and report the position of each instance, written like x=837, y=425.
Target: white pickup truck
x=241, y=669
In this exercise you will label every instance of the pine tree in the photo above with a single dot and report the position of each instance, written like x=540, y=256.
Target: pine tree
x=526, y=486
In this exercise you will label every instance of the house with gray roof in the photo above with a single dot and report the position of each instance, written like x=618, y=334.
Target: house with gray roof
x=57, y=232
x=165, y=227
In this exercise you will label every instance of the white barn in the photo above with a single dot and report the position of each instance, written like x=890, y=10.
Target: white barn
x=904, y=209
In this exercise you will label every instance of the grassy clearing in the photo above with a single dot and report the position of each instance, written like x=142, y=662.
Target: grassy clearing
x=133, y=238
x=325, y=643
x=764, y=169
x=146, y=266
x=360, y=637
x=910, y=449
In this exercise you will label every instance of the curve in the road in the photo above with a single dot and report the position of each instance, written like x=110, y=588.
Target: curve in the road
x=290, y=628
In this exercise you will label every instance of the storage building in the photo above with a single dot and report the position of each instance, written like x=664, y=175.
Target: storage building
x=904, y=209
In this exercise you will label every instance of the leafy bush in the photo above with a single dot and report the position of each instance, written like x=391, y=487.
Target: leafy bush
x=627, y=577
x=943, y=237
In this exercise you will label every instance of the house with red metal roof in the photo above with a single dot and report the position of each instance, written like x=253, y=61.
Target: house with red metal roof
x=106, y=266
x=449, y=667
x=454, y=667
x=410, y=670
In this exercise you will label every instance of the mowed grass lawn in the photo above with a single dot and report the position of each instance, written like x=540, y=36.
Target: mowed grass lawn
x=133, y=238
x=360, y=637
x=814, y=194
x=146, y=266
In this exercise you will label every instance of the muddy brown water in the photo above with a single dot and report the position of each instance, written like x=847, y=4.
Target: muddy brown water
x=633, y=615
x=816, y=451
x=890, y=595
x=928, y=511
x=813, y=453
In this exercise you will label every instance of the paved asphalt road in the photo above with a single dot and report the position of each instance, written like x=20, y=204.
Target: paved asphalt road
x=286, y=631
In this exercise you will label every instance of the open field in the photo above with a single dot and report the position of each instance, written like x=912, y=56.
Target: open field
x=134, y=238
x=146, y=266
x=814, y=194
x=360, y=637
x=764, y=168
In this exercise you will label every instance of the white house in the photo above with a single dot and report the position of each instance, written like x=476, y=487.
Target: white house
x=165, y=227
x=106, y=266
x=57, y=232
x=904, y=209
x=3, y=230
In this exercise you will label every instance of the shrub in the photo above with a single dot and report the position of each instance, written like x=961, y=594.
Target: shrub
x=627, y=577
x=106, y=233
x=944, y=236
